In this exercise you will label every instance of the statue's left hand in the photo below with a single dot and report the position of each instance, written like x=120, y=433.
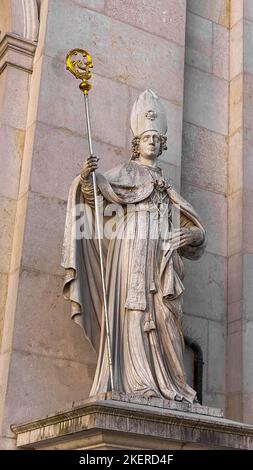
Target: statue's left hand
x=185, y=236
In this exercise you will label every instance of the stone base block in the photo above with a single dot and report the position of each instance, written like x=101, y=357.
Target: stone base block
x=115, y=421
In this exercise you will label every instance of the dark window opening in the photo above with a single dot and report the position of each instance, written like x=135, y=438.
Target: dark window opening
x=194, y=366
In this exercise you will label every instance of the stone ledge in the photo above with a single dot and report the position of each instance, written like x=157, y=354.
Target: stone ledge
x=155, y=402
x=112, y=424
x=17, y=52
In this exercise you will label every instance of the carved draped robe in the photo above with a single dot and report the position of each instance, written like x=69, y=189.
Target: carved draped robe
x=143, y=283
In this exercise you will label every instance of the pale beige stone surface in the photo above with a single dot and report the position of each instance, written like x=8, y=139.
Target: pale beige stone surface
x=248, y=9
x=220, y=51
x=248, y=101
x=109, y=155
x=206, y=100
x=14, y=87
x=236, y=104
x=234, y=362
x=234, y=406
x=235, y=278
x=216, y=363
x=247, y=159
x=247, y=221
x=9, y=322
x=234, y=327
x=59, y=155
x=247, y=286
x=43, y=234
x=248, y=45
x=209, y=271
x=217, y=11
x=44, y=5
x=4, y=369
x=204, y=158
x=12, y=146
x=235, y=162
x=235, y=223
x=18, y=233
x=248, y=407
x=35, y=91
x=235, y=310
x=238, y=8
x=3, y=295
x=199, y=41
x=215, y=399
x=98, y=5
x=212, y=208
x=172, y=172
x=166, y=19
x=105, y=441
x=7, y=217
x=5, y=20
x=68, y=109
x=60, y=106
x=43, y=324
x=8, y=443
x=24, y=184
x=236, y=49
x=16, y=52
x=127, y=46
x=27, y=385
x=111, y=107
x=23, y=18
x=174, y=134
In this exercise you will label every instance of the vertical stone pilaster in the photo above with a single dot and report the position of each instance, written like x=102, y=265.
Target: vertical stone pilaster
x=204, y=183
x=240, y=197
x=19, y=30
x=235, y=216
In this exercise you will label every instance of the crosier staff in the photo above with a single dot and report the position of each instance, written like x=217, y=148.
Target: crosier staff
x=80, y=68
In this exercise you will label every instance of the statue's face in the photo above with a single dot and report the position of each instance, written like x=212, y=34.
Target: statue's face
x=149, y=146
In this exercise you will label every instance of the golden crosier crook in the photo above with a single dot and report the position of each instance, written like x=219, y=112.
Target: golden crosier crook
x=80, y=68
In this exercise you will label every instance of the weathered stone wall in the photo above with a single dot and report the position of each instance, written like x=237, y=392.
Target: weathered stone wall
x=204, y=183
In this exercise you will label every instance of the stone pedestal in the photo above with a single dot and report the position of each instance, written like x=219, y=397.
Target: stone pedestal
x=114, y=421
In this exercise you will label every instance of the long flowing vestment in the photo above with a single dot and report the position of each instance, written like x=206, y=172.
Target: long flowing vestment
x=143, y=282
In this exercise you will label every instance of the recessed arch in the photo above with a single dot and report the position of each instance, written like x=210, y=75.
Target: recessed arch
x=20, y=17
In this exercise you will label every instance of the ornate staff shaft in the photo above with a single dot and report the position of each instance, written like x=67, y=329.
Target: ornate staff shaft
x=81, y=69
